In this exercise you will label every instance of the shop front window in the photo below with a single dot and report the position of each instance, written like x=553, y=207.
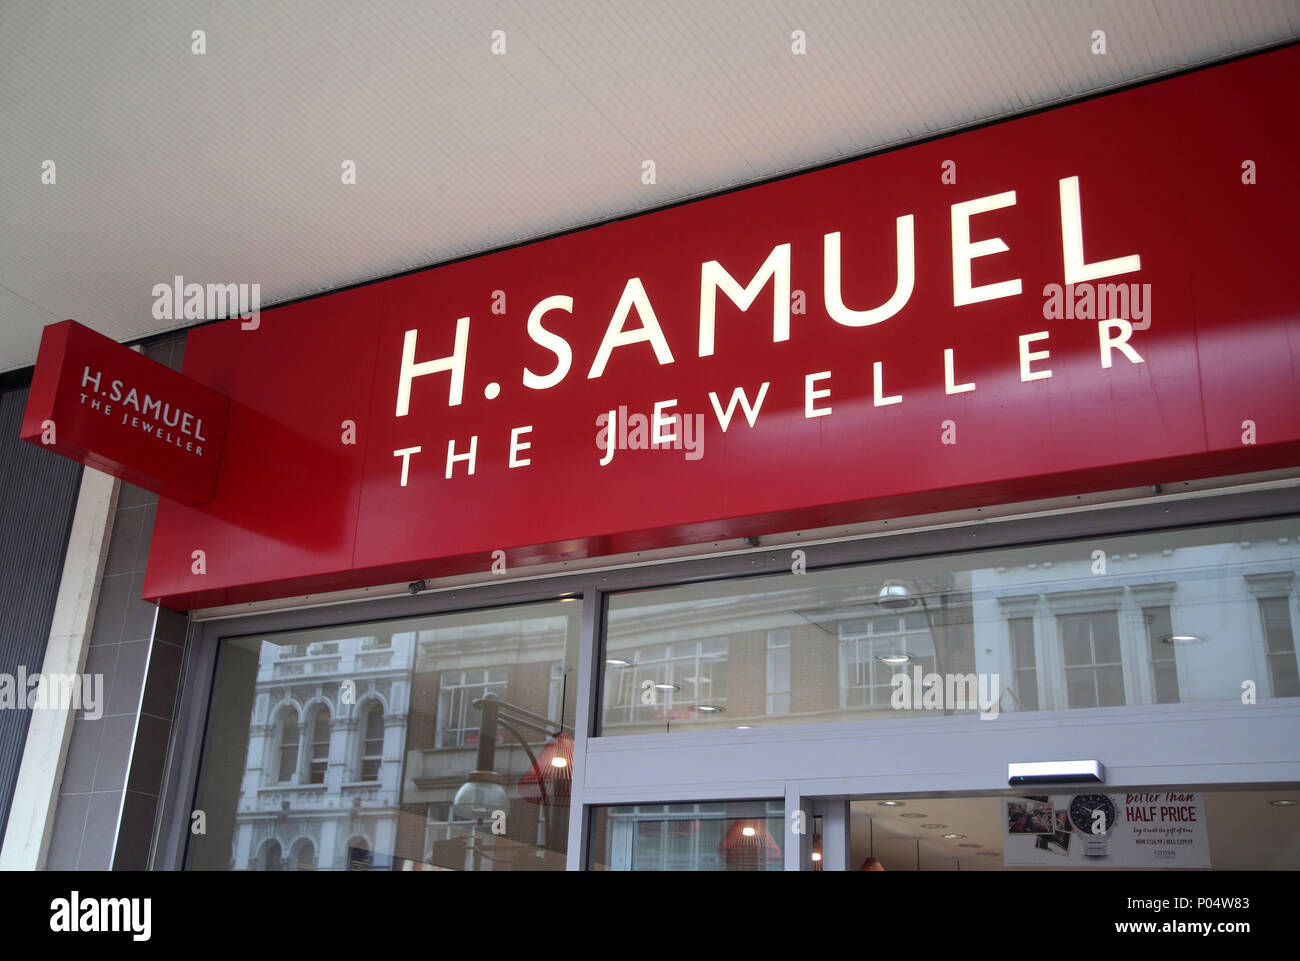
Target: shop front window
x=1168, y=617
x=454, y=740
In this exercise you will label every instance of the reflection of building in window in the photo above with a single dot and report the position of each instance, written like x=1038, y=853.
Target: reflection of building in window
x=372, y=744
x=360, y=857
x=1279, y=643
x=320, y=746
x=1024, y=661
x=288, y=745
x=269, y=858
x=864, y=677
x=458, y=719
x=1094, y=667
x=668, y=681
x=320, y=767
x=778, y=672
x=303, y=855
x=524, y=657
x=1164, y=662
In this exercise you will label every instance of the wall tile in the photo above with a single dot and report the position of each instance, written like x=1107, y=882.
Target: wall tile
x=110, y=614
x=128, y=678
x=83, y=755
x=138, y=625
x=164, y=675
x=114, y=752
x=124, y=541
x=69, y=828
x=101, y=827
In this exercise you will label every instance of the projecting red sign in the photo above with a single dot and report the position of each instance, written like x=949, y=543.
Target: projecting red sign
x=1088, y=298
x=109, y=407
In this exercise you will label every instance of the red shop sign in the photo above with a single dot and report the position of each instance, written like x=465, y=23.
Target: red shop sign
x=1086, y=298
x=111, y=408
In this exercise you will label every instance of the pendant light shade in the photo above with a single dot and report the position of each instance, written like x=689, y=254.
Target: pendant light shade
x=749, y=846
x=549, y=780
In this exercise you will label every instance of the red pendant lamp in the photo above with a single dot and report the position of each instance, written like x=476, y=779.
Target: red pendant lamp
x=550, y=779
x=748, y=846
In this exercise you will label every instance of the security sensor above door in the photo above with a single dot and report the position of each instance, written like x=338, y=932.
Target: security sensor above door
x=1056, y=772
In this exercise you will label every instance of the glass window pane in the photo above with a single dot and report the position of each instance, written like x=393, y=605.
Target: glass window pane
x=1286, y=679
x=406, y=750
x=1277, y=624
x=1110, y=686
x=1105, y=636
x=1081, y=685
x=734, y=836
x=1076, y=640
x=1166, y=679
x=1026, y=616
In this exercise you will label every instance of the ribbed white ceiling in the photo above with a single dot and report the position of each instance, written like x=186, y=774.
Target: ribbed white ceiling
x=225, y=167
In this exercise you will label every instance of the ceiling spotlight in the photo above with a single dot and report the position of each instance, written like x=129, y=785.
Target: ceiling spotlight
x=618, y=662
x=894, y=657
x=934, y=827
x=894, y=596
x=1184, y=639
x=709, y=709
x=667, y=687
x=1284, y=803
x=744, y=727
x=954, y=837
x=890, y=804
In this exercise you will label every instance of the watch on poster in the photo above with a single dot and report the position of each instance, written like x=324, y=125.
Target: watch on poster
x=1093, y=816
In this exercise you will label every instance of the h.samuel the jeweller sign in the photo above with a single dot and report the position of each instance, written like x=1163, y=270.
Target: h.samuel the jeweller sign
x=1087, y=298
x=114, y=409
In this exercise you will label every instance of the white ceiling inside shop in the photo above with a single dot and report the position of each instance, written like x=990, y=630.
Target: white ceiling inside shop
x=226, y=166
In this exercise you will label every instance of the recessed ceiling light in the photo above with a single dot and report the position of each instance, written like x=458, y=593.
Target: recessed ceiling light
x=1183, y=638
x=744, y=727
x=1284, y=803
x=934, y=827
x=667, y=687
x=890, y=804
x=709, y=709
x=954, y=837
x=618, y=662
x=912, y=814
x=894, y=596
x=894, y=657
